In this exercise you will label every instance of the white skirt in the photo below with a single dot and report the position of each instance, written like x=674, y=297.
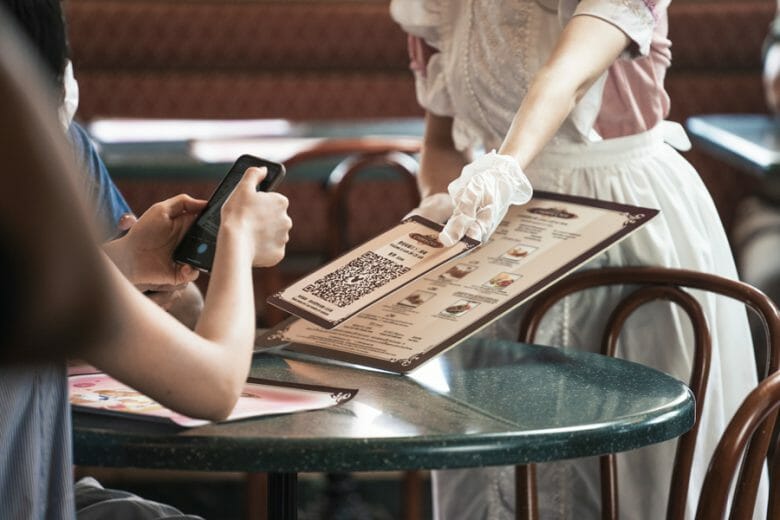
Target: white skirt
x=641, y=170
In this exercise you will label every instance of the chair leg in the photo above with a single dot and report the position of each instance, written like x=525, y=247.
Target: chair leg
x=609, y=498
x=526, y=505
x=256, y=502
x=412, y=488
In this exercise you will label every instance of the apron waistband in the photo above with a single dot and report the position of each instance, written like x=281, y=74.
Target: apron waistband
x=612, y=151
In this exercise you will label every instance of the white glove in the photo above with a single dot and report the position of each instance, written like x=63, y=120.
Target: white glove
x=482, y=195
x=437, y=207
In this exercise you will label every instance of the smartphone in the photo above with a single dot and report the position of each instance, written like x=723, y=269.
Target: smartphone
x=199, y=242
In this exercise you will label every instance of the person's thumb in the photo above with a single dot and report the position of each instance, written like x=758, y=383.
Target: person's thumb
x=253, y=177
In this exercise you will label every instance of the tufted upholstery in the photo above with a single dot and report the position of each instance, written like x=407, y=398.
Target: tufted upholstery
x=240, y=59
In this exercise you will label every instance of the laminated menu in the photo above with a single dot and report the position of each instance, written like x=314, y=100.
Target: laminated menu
x=369, y=272
x=100, y=393
x=410, y=313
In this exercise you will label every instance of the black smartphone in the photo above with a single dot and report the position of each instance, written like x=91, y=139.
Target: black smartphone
x=199, y=242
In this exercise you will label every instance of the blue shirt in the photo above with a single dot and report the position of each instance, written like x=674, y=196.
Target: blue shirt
x=108, y=202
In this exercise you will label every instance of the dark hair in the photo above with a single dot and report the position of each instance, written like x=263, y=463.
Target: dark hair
x=44, y=24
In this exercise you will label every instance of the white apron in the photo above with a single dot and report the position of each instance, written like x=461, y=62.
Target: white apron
x=644, y=171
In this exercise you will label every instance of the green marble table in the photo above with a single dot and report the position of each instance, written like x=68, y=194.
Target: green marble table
x=484, y=403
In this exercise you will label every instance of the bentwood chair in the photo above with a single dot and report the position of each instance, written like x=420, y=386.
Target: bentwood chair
x=752, y=417
x=349, y=197
x=333, y=201
x=370, y=189
x=345, y=190
x=651, y=284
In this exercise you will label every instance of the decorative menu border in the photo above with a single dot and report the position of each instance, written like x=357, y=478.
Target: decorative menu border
x=536, y=245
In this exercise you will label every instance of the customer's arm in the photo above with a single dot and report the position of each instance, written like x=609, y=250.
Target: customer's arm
x=201, y=373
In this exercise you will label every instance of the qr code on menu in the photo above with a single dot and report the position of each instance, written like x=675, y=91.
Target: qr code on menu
x=359, y=277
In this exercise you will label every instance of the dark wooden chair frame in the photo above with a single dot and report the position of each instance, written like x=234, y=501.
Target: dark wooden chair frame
x=345, y=175
x=655, y=283
x=754, y=414
x=360, y=154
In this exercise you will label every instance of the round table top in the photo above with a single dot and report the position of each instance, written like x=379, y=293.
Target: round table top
x=484, y=403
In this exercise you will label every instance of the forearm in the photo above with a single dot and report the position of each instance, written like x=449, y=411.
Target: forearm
x=543, y=110
x=440, y=162
x=228, y=315
x=586, y=48
x=199, y=373
x=117, y=252
x=195, y=374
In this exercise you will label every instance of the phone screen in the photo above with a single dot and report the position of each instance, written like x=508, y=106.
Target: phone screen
x=198, y=245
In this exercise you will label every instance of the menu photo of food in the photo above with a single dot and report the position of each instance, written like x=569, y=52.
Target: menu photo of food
x=502, y=280
x=417, y=298
x=459, y=308
x=518, y=252
x=457, y=271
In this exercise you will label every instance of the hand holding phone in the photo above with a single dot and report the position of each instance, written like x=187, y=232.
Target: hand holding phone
x=199, y=242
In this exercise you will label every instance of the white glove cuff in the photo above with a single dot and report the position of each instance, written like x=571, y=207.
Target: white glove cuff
x=437, y=207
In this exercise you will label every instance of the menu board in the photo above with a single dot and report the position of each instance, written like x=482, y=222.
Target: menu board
x=536, y=244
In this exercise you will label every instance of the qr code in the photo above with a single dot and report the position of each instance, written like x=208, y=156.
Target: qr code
x=359, y=277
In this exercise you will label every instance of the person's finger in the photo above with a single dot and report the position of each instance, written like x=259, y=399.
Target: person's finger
x=126, y=221
x=181, y=204
x=455, y=229
x=252, y=178
x=186, y=273
x=477, y=231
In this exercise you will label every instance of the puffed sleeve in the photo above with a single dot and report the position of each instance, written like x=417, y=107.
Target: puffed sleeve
x=424, y=20
x=636, y=18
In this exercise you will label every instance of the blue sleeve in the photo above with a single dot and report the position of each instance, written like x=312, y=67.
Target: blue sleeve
x=108, y=203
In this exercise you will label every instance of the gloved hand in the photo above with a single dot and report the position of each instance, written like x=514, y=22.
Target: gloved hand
x=482, y=194
x=437, y=207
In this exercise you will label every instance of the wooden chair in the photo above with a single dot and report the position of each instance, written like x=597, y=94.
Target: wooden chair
x=344, y=179
x=753, y=416
x=359, y=158
x=342, y=182
x=655, y=283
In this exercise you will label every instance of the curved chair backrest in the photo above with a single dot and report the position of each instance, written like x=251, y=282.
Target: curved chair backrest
x=344, y=153
x=656, y=283
x=343, y=179
x=335, y=147
x=755, y=412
